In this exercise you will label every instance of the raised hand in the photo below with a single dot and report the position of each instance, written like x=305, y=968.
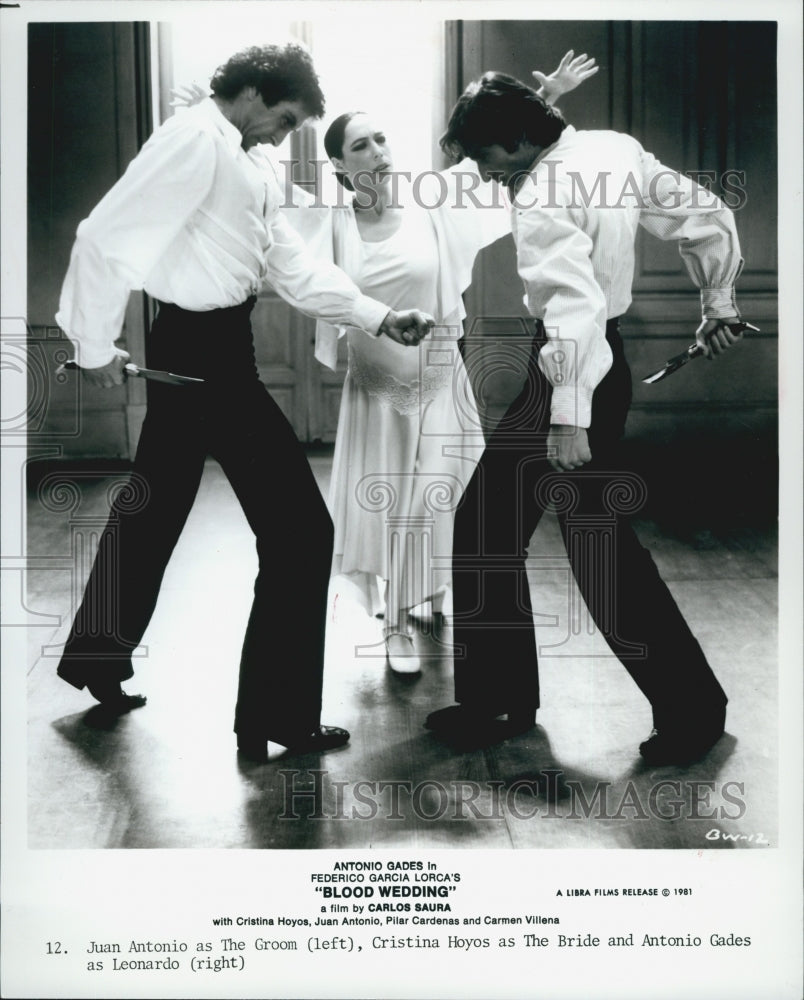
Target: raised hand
x=570, y=73
x=186, y=95
x=407, y=327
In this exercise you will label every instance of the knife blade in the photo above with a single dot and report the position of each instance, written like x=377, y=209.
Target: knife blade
x=152, y=374
x=693, y=351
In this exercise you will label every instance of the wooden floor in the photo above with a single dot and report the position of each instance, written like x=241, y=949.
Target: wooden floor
x=167, y=776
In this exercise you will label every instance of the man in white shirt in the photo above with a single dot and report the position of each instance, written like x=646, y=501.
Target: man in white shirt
x=578, y=198
x=195, y=222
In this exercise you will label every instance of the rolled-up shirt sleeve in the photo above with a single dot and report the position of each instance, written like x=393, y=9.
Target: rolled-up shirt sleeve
x=677, y=208
x=315, y=287
x=125, y=235
x=554, y=262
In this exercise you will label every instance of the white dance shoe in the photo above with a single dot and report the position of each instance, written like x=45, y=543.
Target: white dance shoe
x=402, y=658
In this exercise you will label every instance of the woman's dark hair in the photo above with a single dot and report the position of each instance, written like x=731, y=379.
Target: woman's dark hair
x=499, y=110
x=279, y=72
x=333, y=142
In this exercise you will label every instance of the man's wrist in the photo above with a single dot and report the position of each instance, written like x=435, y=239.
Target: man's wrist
x=718, y=303
x=90, y=358
x=386, y=324
x=571, y=406
x=368, y=314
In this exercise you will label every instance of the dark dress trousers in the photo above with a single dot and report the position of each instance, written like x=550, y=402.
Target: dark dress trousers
x=233, y=419
x=495, y=646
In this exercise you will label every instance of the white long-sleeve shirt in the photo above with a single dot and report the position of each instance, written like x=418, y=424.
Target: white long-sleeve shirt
x=195, y=221
x=574, y=222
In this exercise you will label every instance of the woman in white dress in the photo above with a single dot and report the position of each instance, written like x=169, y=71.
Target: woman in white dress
x=395, y=479
x=408, y=434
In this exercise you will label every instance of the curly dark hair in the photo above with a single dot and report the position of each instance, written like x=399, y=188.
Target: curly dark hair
x=279, y=72
x=498, y=110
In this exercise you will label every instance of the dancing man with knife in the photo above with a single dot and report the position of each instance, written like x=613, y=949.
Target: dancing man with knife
x=578, y=198
x=195, y=222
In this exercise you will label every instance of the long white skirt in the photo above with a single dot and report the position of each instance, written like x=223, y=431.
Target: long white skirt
x=408, y=440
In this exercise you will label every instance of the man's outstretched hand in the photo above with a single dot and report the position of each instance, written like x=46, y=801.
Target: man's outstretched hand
x=407, y=327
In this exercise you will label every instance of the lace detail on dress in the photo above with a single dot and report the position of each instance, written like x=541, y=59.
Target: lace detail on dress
x=405, y=397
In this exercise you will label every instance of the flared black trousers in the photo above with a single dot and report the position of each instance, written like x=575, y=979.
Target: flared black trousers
x=495, y=645
x=232, y=418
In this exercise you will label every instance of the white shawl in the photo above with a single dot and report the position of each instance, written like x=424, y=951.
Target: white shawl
x=466, y=216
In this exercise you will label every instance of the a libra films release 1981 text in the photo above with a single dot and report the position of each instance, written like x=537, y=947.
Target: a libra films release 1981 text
x=379, y=919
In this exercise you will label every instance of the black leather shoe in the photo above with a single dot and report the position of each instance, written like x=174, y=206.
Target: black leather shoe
x=113, y=702
x=321, y=738
x=106, y=713
x=112, y=698
x=677, y=747
x=255, y=748
x=462, y=720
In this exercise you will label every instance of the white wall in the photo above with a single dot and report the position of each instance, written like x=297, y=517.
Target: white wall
x=381, y=61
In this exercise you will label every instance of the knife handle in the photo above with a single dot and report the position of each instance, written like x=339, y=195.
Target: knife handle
x=73, y=366
x=740, y=327
x=695, y=350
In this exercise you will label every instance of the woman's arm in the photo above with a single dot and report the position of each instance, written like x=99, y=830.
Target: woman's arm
x=571, y=72
x=186, y=95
